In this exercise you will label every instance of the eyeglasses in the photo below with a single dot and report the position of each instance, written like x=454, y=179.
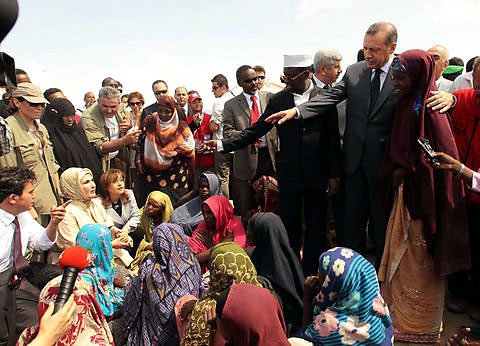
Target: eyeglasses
x=261, y=77
x=214, y=87
x=254, y=79
x=136, y=103
x=288, y=78
x=161, y=92
x=33, y=104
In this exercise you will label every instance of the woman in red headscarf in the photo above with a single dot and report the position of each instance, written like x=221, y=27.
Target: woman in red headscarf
x=218, y=225
x=166, y=153
x=427, y=234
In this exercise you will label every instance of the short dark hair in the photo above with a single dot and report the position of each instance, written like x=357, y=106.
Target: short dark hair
x=106, y=80
x=259, y=68
x=389, y=28
x=192, y=92
x=240, y=70
x=456, y=61
x=221, y=80
x=159, y=81
x=476, y=63
x=13, y=181
x=469, y=66
x=360, y=55
x=49, y=92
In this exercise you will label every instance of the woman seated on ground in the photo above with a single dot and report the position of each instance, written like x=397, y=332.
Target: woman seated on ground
x=100, y=275
x=343, y=305
x=77, y=185
x=189, y=215
x=88, y=325
x=157, y=210
x=151, y=297
x=228, y=264
x=274, y=259
x=218, y=225
x=70, y=145
x=120, y=205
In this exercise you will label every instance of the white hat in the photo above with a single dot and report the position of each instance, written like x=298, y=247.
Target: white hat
x=299, y=60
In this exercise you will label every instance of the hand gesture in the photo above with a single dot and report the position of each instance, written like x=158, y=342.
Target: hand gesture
x=211, y=145
x=210, y=316
x=124, y=126
x=53, y=327
x=197, y=117
x=131, y=137
x=58, y=213
x=440, y=100
x=120, y=243
x=445, y=162
x=282, y=116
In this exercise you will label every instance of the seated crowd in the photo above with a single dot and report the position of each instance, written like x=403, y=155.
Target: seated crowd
x=216, y=229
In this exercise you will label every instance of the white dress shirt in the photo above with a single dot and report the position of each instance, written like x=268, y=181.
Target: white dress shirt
x=33, y=235
x=464, y=81
x=114, y=130
x=302, y=98
x=318, y=82
x=384, y=73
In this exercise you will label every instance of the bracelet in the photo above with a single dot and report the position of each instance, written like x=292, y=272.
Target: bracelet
x=460, y=172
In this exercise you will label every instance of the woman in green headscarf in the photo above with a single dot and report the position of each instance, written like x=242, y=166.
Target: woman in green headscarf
x=156, y=211
x=228, y=264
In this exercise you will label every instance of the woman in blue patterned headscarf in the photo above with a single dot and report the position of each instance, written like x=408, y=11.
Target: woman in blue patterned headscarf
x=348, y=309
x=97, y=240
x=150, y=298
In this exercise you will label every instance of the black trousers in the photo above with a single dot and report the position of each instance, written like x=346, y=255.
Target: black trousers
x=313, y=204
x=26, y=298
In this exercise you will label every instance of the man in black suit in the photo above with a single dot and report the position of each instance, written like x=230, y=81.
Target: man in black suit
x=308, y=163
x=371, y=102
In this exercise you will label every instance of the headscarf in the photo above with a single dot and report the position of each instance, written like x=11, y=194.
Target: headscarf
x=71, y=181
x=274, y=259
x=268, y=186
x=162, y=138
x=225, y=223
x=189, y=215
x=434, y=197
x=97, y=240
x=253, y=316
x=89, y=326
x=228, y=264
x=349, y=308
x=150, y=299
x=70, y=144
x=147, y=226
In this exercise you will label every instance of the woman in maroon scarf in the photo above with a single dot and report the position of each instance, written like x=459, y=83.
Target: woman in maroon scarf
x=427, y=234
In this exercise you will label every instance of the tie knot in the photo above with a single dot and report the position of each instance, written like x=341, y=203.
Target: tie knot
x=253, y=98
x=15, y=221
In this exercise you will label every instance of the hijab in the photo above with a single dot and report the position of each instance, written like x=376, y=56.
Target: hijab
x=433, y=196
x=71, y=182
x=253, y=316
x=189, y=215
x=150, y=299
x=274, y=259
x=70, y=144
x=349, y=308
x=163, y=140
x=97, y=240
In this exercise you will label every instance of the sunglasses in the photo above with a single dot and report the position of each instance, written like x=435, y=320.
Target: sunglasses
x=160, y=92
x=32, y=104
x=215, y=87
x=288, y=78
x=261, y=77
x=254, y=79
x=135, y=103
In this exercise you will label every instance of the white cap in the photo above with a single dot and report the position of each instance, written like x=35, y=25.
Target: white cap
x=299, y=60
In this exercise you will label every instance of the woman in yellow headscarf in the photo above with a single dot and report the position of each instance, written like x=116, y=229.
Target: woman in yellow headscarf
x=156, y=211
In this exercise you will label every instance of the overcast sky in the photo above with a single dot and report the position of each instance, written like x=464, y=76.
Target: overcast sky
x=73, y=45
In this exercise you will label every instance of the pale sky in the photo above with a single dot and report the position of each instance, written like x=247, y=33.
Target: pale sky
x=73, y=45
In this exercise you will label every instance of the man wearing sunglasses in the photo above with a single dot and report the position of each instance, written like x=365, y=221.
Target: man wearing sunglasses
x=159, y=88
x=255, y=160
x=260, y=75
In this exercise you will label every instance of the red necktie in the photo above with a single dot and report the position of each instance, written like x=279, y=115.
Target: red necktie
x=254, y=113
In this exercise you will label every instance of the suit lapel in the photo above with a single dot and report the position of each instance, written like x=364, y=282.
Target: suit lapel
x=384, y=93
x=242, y=101
x=263, y=100
x=364, y=84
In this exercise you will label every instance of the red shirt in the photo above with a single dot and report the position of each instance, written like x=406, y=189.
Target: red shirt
x=203, y=134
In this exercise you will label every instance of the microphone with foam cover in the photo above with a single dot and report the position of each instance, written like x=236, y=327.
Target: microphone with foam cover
x=73, y=260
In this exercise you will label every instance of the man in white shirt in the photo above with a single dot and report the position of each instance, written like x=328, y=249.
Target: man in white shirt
x=440, y=55
x=223, y=161
x=20, y=281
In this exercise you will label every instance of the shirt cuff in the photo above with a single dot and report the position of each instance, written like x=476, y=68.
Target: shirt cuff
x=298, y=116
x=219, y=145
x=44, y=243
x=475, y=182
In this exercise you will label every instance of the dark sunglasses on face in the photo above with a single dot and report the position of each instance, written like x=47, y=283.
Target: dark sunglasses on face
x=261, y=77
x=254, y=79
x=136, y=103
x=215, y=87
x=32, y=104
x=160, y=92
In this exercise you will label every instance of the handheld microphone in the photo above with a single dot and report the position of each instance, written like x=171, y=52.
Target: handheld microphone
x=73, y=260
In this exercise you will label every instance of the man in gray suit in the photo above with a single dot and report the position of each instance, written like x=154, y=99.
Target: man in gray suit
x=253, y=161
x=371, y=102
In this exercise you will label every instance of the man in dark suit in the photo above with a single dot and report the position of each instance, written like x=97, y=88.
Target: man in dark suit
x=160, y=88
x=371, y=102
x=251, y=162
x=308, y=164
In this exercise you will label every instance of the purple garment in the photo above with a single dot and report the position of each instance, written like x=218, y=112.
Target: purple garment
x=476, y=182
x=150, y=298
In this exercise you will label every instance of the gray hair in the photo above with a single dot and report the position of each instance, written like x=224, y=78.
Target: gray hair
x=109, y=93
x=389, y=28
x=325, y=57
x=476, y=64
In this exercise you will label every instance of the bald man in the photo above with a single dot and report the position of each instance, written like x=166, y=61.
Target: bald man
x=440, y=55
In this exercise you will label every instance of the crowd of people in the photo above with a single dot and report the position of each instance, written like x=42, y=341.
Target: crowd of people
x=308, y=216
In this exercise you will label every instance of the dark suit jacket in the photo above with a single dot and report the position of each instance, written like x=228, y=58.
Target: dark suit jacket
x=366, y=135
x=309, y=148
x=236, y=117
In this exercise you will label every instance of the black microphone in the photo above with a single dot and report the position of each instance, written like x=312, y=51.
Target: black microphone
x=73, y=260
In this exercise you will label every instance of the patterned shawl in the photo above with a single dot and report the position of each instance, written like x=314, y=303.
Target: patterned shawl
x=150, y=298
x=228, y=264
x=97, y=240
x=349, y=308
x=89, y=326
x=268, y=188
